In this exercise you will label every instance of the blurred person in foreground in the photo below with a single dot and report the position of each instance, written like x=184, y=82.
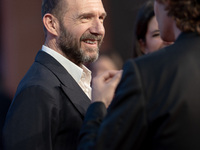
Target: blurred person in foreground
x=156, y=104
x=146, y=32
x=51, y=100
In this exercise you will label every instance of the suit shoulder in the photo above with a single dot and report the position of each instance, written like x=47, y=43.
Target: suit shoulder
x=38, y=76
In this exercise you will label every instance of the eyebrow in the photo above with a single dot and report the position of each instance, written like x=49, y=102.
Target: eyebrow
x=91, y=14
x=155, y=31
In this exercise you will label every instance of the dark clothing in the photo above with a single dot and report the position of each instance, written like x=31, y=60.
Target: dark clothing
x=4, y=105
x=156, y=105
x=47, y=111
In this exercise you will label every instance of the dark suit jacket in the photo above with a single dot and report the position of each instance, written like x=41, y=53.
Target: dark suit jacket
x=156, y=106
x=47, y=110
x=5, y=101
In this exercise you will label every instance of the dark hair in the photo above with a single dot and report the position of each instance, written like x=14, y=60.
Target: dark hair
x=186, y=14
x=144, y=15
x=53, y=7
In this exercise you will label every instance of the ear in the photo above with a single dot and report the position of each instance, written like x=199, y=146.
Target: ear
x=51, y=24
x=142, y=46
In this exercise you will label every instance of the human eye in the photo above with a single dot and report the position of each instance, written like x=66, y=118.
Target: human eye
x=156, y=34
x=85, y=17
x=102, y=18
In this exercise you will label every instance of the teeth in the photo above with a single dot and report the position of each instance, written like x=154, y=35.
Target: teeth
x=90, y=42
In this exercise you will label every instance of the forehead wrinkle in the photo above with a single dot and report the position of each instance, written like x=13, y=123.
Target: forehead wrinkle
x=89, y=6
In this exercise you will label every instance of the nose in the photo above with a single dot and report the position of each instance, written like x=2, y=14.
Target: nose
x=97, y=27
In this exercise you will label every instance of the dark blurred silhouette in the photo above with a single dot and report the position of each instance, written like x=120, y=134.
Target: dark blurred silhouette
x=156, y=104
x=5, y=102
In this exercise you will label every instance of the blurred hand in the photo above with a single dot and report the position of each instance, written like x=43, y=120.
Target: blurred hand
x=103, y=86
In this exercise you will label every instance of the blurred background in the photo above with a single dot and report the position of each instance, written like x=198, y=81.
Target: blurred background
x=21, y=35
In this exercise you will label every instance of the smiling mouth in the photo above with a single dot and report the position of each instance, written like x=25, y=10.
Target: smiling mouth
x=90, y=42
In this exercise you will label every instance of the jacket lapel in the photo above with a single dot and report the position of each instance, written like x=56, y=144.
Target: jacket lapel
x=78, y=98
x=67, y=83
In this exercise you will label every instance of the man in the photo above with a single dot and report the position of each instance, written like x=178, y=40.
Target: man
x=156, y=104
x=51, y=100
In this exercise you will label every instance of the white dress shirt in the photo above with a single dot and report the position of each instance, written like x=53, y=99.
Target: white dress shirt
x=81, y=75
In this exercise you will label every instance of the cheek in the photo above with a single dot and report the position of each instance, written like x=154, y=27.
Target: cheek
x=153, y=44
x=79, y=31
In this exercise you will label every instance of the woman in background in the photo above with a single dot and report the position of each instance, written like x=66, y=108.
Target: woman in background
x=147, y=35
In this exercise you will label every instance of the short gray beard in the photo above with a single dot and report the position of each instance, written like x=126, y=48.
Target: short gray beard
x=71, y=48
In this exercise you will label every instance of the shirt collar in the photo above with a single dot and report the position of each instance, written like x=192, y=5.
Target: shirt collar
x=87, y=74
x=74, y=70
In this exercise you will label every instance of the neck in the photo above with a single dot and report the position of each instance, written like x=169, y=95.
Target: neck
x=52, y=44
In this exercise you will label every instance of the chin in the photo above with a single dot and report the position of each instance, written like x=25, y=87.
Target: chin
x=167, y=37
x=93, y=55
x=90, y=59
x=94, y=58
